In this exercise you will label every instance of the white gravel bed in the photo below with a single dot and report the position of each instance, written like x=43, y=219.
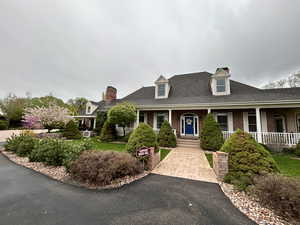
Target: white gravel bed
x=251, y=207
x=60, y=173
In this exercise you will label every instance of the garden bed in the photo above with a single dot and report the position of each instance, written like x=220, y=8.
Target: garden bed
x=59, y=173
x=251, y=207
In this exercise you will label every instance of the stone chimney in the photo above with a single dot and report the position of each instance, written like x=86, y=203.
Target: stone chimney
x=111, y=94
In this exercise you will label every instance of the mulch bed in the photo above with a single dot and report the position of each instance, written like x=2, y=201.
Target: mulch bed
x=251, y=207
x=59, y=173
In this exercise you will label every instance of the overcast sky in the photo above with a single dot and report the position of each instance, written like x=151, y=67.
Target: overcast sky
x=76, y=48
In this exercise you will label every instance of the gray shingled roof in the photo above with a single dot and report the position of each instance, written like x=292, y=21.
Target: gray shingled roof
x=194, y=89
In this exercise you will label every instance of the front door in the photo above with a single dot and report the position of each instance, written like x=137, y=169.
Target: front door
x=189, y=125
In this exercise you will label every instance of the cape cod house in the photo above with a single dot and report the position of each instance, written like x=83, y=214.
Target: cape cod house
x=272, y=116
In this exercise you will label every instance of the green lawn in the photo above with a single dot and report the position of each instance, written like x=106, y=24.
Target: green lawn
x=287, y=165
x=209, y=159
x=103, y=146
x=164, y=153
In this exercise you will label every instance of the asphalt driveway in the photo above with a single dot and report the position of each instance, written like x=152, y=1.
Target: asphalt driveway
x=27, y=197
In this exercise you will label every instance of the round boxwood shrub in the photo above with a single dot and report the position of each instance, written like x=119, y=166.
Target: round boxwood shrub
x=211, y=137
x=246, y=159
x=102, y=167
x=26, y=145
x=142, y=136
x=166, y=136
x=71, y=131
x=108, y=132
x=3, y=125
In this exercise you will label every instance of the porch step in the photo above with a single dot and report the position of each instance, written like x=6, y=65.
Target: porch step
x=188, y=143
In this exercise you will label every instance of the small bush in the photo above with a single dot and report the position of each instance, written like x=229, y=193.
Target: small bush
x=108, y=132
x=289, y=150
x=166, y=136
x=101, y=168
x=297, y=150
x=3, y=125
x=26, y=145
x=211, y=135
x=49, y=151
x=282, y=194
x=72, y=152
x=71, y=131
x=246, y=159
x=13, y=142
x=142, y=136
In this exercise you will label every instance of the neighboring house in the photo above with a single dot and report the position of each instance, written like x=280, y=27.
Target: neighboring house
x=272, y=116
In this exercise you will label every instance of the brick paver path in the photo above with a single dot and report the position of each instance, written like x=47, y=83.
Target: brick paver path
x=190, y=163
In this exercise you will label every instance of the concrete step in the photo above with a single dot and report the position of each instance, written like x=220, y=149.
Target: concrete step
x=188, y=146
x=188, y=141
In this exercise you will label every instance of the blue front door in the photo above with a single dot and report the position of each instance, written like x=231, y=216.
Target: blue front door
x=189, y=125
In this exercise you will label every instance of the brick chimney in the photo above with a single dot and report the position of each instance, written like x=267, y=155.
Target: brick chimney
x=111, y=94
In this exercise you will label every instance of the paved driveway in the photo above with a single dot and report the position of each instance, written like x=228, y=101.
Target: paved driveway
x=190, y=163
x=29, y=198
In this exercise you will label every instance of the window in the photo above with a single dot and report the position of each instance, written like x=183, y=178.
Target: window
x=252, y=122
x=220, y=85
x=161, y=90
x=160, y=118
x=222, y=119
x=280, y=123
x=89, y=109
x=142, y=118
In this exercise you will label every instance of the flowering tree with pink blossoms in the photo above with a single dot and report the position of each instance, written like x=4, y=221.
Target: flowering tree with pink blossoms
x=51, y=117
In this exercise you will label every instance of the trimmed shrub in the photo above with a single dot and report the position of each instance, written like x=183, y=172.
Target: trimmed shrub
x=13, y=142
x=142, y=136
x=166, y=136
x=211, y=135
x=71, y=131
x=26, y=145
x=72, y=152
x=3, y=125
x=108, y=132
x=49, y=151
x=102, y=167
x=246, y=159
x=297, y=150
x=282, y=194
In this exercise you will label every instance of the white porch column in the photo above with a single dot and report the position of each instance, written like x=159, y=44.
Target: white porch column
x=170, y=117
x=209, y=110
x=94, y=125
x=137, y=118
x=258, y=124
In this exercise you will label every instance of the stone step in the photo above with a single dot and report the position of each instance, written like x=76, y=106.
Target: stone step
x=188, y=141
x=188, y=146
x=193, y=145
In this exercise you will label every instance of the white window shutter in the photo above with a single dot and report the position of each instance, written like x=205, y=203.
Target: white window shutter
x=246, y=123
x=230, y=121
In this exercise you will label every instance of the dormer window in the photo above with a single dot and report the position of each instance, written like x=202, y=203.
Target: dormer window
x=162, y=88
x=89, y=109
x=221, y=85
x=220, y=82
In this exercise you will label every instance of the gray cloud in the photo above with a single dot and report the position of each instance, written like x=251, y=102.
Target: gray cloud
x=76, y=48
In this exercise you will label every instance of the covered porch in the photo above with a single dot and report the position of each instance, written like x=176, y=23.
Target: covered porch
x=268, y=125
x=86, y=122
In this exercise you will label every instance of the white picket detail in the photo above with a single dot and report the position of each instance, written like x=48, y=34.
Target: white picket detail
x=271, y=137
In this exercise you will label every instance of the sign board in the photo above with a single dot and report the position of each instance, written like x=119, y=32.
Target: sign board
x=143, y=151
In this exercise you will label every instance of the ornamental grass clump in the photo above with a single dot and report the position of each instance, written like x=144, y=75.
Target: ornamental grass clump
x=142, y=136
x=166, y=136
x=211, y=135
x=101, y=168
x=247, y=158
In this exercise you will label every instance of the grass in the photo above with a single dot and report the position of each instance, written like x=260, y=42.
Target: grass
x=164, y=153
x=287, y=165
x=209, y=159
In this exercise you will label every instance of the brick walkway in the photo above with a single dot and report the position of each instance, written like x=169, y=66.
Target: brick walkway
x=190, y=163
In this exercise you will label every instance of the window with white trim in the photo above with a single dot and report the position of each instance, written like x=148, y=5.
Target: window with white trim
x=160, y=118
x=220, y=85
x=142, y=117
x=161, y=90
x=252, y=122
x=222, y=120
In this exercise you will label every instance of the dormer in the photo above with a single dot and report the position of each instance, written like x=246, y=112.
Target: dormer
x=220, y=82
x=162, y=88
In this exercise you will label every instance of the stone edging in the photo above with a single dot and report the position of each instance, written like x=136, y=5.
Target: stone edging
x=67, y=181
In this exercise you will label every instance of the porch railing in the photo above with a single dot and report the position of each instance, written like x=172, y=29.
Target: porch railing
x=271, y=137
